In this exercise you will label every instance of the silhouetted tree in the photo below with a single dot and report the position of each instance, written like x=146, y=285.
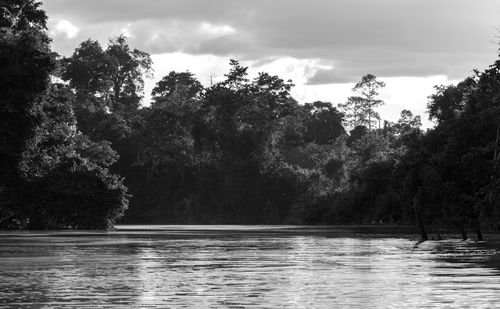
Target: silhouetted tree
x=360, y=110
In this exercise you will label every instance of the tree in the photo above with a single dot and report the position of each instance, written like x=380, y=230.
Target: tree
x=22, y=15
x=353, y=111
x=407, y=123
x=177, y=87
x=25, y=63
x=109, y=86
x=111, y=78
x=216, y=154
x=356, y=134
x=44, y=170
x=88, y=71
x=360, y=110
x=449, y=101
x=128, y=69
x=237, y=76
x=78, y=195
x=324, y=123
x=57, y=137
x=68, y=183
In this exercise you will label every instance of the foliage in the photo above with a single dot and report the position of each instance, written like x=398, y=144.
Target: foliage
x=360, y=109
x=324, y=124
x=110, y=79
x=240, y=151
x=177, y=87
x=52, y=176
x=78, y=195
x=25, y=63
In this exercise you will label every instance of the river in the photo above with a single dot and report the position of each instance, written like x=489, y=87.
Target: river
x=244, y=267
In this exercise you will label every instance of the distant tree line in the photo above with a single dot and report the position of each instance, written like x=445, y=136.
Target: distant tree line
x=74, y=137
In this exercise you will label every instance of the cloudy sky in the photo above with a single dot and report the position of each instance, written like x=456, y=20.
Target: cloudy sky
x=324, y=46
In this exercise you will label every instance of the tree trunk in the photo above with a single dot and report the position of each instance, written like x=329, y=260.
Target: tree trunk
x=438, y=236
x=477, y=224
x=478, y=230
x=463, y=232
x=420, y=220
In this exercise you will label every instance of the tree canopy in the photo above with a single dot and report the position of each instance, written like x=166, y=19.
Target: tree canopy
x=76, y=151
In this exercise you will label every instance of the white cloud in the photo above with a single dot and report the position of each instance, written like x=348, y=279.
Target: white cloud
x=216, y=30
x=323, y=46
x=410, y=93
x=387, y=37
x=67, y=28
x=126, y=30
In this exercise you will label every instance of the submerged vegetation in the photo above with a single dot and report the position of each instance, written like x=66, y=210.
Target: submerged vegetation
x=74, y=137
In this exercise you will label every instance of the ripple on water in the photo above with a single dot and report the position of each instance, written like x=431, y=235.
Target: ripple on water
x=238, y=267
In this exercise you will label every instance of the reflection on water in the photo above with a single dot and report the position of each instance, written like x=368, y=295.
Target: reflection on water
x=238, y=266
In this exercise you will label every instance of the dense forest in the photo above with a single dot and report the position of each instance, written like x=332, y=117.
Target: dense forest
x=79, y=150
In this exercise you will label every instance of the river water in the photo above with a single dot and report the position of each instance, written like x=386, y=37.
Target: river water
x=244, y=266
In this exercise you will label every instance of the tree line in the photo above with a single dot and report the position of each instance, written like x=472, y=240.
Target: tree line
x=77, y=148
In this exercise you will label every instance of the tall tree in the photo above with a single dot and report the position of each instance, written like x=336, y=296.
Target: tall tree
x=46, y=180
x=129, y=66
x=88, y=71
x=68, y=181
x=360, y=109
x=109, y=86
x=113, y=77
x=353, y=112
x=407, y=122
x=25, y=63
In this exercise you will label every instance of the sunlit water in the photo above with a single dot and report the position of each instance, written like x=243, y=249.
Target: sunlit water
x=241, y=267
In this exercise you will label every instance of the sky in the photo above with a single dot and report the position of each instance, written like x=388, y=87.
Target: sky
x=324, y=46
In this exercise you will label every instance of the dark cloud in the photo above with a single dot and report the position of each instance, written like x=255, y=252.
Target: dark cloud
x=223, y=46
x=386, y=37
x=392, y=64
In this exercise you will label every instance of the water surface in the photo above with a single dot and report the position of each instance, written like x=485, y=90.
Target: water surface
x=244, y=266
